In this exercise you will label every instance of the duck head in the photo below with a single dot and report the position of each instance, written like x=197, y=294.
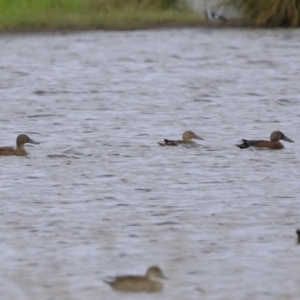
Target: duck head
x=155, y=272
x=23, y=139
x=278, y=135
x=189, y=135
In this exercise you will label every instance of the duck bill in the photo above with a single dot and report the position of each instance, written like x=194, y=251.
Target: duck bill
x=32, y=142
x=285, y=138
x=198, y=137
x=164, y=277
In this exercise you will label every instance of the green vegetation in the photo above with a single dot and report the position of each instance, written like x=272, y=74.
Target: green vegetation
x=269, y=13
x=21, y=15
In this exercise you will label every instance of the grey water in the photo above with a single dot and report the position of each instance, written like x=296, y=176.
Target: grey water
x=99, y=197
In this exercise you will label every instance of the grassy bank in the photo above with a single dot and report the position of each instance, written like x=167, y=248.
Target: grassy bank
x=269, y=13
x=22, y=15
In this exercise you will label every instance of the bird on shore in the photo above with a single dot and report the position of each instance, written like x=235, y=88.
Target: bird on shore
x=213, y=16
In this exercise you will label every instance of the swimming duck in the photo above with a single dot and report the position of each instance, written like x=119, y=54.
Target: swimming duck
x=137, y=283
x=186, y=139
x=20, y=150
x=298, y=234
x=273, y=144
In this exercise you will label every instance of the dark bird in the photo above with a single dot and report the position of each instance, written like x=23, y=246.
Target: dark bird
x=298, y=234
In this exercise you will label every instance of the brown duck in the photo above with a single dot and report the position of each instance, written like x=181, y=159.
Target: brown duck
x=186, y=139
x=137, y=283
x=273, y=144
x=20, y=150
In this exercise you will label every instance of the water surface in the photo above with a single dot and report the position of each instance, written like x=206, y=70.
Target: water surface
x=100, y=197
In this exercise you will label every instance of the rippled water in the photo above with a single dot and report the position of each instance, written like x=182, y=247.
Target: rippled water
x=100, y=197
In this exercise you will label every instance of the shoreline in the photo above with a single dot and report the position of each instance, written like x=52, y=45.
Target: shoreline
x=152, y=26
x=116, y=20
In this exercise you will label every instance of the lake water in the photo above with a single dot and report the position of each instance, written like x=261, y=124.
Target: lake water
x=100, y=197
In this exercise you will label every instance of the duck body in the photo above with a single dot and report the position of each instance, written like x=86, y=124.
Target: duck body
x=11, y=151
x=19, y=150
x=273, y=144
x=171, y=143
x=186, y=139
x=261, y=144
x=137, y=283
